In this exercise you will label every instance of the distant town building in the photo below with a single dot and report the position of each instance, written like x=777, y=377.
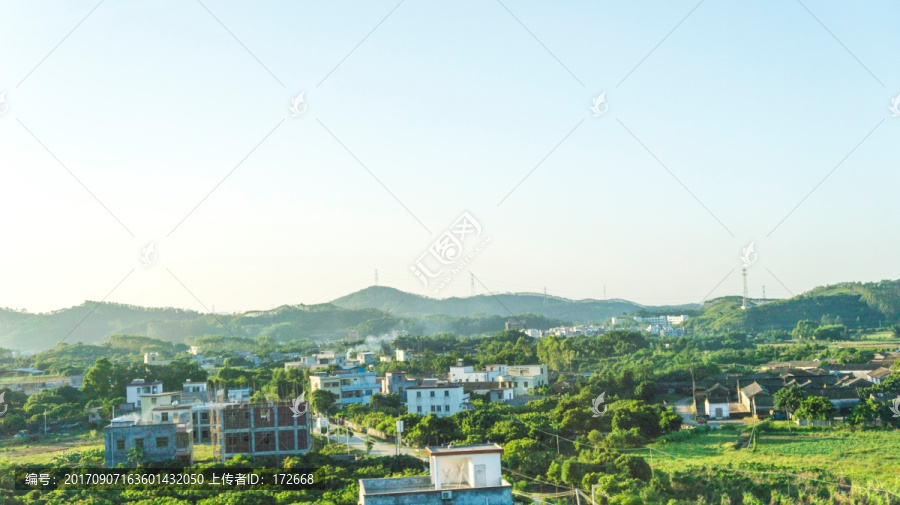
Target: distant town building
x=241, y=395
x=663, y=320
x=260, y=431
x=717, y=402
x=525, y=377
x=397, y=383
x=328, y=358
x=158, y=442
x=152, y=358
x=201, y=418
x=467, y=373
x=366, y=357
x=534, y=333
x=405, y=355
x=194, y=392
x=76, y=381
x=515, y=324
x=441, y=400
x=140, y=387
x=350, y=386
x=572, y=331
x=495, y=392
x=466, y=474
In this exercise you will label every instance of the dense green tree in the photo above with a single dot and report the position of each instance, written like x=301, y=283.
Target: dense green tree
x=433, y=430
x=788, y=399
x=323, y=401
x=805, y=328
x=816, y=408
x=645, y=391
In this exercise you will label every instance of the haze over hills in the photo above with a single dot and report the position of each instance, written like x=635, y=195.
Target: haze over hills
x=377, y=310
x=502, y=304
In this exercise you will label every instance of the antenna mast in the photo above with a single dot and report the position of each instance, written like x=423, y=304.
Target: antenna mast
x=472, y=283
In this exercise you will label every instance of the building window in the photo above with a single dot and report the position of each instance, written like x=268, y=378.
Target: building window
x=120, y=445
x=446, y=393
x=368, y=392
x=446, y=408
x=164, y=416
x=162, y=441
x=139, y=442
x=432, y=394
x=153, y=401
x=418, y=394
x=420, y=408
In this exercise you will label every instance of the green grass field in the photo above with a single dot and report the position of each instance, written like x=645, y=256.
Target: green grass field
x=862, y=455
x=44, y=450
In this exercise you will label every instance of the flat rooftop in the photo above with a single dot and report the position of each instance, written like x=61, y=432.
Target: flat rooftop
x=443, y=450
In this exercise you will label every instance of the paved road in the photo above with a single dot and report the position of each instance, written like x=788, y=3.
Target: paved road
x=683, y=409
x=380, y=448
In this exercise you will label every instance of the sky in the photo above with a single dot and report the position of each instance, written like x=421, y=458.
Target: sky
x=127, y=124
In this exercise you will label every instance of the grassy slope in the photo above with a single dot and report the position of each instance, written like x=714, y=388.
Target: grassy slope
x=862, y=455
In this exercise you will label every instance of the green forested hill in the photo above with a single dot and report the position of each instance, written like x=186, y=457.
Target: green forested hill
x=858, y=305
x=378, y=310
x=553, y=307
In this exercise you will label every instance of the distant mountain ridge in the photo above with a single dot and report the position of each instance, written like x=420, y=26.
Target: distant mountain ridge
x=373, y=310
x=502, y=304
x=377, y=310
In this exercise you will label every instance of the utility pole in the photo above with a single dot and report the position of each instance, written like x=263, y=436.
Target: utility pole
x=45, y=422
x=744, y=273
x=694, y=392
x=557, y=445
x=593, y=494
x=577, y=496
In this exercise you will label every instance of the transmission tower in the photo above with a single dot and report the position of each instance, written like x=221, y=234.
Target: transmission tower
x=764, y=292
x=472, y=283
x=376, y=276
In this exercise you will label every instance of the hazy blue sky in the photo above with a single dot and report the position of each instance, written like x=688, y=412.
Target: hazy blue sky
x=450, y=105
